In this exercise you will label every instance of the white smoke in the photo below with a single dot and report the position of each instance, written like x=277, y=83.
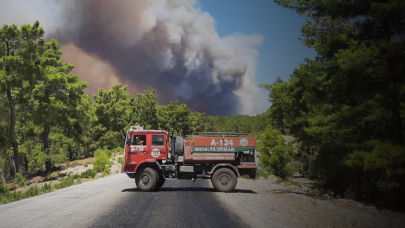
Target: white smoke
x=170, y=45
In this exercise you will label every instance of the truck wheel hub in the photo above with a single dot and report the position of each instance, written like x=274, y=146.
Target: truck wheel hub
x=224, y=179
x=145, y=179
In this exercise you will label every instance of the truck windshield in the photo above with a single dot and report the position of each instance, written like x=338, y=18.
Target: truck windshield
x=158, y=140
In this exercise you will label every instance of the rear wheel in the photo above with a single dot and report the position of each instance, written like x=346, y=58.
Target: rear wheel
x=224, y=180
x=147, y=179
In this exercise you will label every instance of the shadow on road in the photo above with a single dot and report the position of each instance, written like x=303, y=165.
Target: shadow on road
x=189, y=189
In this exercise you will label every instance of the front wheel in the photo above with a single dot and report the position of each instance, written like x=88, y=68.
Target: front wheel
x=224, y=180
x=147, y=179
x=161, y=182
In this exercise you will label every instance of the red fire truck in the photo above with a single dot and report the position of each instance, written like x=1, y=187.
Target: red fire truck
x=154, y=156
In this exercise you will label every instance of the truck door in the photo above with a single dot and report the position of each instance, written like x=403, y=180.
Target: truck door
x=138, y=150
x=158, y=146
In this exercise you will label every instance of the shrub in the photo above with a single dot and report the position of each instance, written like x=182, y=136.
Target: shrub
x=275, y=155
x=102, y=160
x=20, y=179
x=3, y=188
x=118, y=149
x=121, y=160
x=46, y=187
x=90, y=173
x=65, y=182
x=106, y=172
x=262, y=173
x=53, y=175
x=86, y=164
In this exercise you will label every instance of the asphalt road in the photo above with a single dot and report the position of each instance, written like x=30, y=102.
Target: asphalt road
x=114, y=201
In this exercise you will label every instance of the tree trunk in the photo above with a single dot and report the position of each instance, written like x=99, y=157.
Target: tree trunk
x=5, y=168
x=26, y=163
x=2, y=179
x=123, y=134
x=45, y=136
x=70, y=151
x=12, y=168
x=86, y=151
x=398, y=136
x=14, y=143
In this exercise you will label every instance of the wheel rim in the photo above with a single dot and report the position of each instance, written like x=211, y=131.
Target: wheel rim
x=224, y=179
x=145, y=179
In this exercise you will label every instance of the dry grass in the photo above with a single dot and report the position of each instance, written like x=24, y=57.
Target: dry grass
x=77, y=162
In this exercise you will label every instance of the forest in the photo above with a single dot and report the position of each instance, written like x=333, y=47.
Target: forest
x=345, y=107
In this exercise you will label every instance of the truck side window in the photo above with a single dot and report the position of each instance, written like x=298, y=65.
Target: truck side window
x=139, y=140
x=158, y=140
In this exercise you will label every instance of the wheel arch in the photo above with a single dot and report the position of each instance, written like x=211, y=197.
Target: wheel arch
x=224, y=165
x=151, y=163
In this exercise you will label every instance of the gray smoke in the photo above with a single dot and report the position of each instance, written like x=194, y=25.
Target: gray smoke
x=168, y=45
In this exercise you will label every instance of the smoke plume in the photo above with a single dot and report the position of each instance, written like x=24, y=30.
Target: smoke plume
x=168, y=45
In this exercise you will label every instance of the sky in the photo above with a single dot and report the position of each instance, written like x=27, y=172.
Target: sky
x=281, y=51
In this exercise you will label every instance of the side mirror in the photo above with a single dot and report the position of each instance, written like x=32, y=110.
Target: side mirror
x=128, y=142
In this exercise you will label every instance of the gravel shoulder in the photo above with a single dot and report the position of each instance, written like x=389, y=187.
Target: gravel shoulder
x=264, y=203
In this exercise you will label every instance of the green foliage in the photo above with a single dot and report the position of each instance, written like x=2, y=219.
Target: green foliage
x=102, y=161
x=20, y=179
x=118, y=149
x=145, y=109
x=347, y=106
x=3, y=188
x=90, y=173
x=114, y=110
x=262, y=173
x=7, y=196
x=54, y=176
x=106, y=172
x=65, y=182
x=174, y=117
x=275, y=155
x=121, y=160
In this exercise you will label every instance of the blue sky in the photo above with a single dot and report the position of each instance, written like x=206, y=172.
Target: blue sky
x=281, y=51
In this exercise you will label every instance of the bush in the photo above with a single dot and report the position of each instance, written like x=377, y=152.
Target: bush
x=65, y=182
x=3, y=188
x=262, y=173
x=86, y=164
x=275, y=155
x=119, y=150
x=20, y=179
x=46, y=187
x=102, y=161
x=53, y=176
x=90, y=173
x=7, y=196
x=121, y=160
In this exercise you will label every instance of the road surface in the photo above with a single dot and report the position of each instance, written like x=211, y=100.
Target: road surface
x=114, y=201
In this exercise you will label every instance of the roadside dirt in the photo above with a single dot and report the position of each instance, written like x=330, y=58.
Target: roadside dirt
x=69, y=168
x=265, y=203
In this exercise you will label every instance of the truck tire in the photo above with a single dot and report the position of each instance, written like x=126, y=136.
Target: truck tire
x=161, y=182
x=147, y=179
x=224, y=180
x=179, y=146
